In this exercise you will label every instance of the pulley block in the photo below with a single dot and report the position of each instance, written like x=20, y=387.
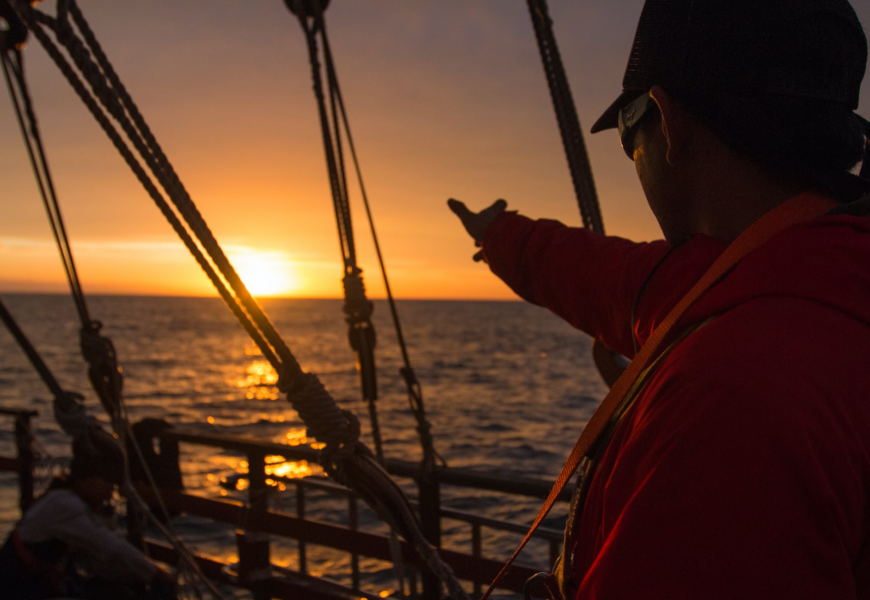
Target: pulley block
x=307, y=8
x=13, y=31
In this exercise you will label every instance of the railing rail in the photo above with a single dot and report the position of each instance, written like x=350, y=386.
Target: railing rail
x=478, y=574
x=468, y=478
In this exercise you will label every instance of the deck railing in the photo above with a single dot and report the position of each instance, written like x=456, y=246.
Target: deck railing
x=255, y=570
x=474, y=567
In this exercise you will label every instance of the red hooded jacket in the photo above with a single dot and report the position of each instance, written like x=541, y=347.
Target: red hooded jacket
x=742, y=471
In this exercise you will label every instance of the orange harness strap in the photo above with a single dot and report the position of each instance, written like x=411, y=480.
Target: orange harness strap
x=799, y=209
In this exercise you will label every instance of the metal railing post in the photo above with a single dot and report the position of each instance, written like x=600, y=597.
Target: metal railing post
x=353, y=524
x=255, y=567
x=476, y=552
x=430, y=520
x=300, y=512
x=24, y=445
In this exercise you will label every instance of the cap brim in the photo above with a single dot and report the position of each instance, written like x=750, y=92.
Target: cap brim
x=610, y=118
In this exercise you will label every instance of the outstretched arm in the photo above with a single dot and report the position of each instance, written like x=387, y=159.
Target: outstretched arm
x=590, y=280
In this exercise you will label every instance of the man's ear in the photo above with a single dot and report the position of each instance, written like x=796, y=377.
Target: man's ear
x=674, y=125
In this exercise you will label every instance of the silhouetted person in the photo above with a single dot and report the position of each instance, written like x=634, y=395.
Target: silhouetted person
x=738, y=463
x=63, y=548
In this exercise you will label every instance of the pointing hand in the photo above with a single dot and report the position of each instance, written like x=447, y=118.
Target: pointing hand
x=476, y=224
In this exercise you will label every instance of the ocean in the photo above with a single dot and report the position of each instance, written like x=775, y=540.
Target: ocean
x=507, y=388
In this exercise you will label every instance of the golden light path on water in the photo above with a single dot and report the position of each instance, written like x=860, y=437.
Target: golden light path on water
x=260, y=380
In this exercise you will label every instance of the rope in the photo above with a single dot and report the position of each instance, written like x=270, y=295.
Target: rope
x=32, y=18
x=415, y=392
x=97, y=350
x=35, y=359
x=357, y=308
x=182, y=200
x=348, y=459
x=566, y=113
x=13, y=61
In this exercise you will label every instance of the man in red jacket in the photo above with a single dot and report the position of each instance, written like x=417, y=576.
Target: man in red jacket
x=738, y=466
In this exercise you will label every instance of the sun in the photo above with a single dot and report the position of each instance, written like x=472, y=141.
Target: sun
x=265, y=273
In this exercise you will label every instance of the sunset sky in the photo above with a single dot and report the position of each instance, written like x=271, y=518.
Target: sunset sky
x=446, y=98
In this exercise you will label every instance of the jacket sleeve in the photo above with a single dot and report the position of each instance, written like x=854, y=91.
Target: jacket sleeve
x=590, y=280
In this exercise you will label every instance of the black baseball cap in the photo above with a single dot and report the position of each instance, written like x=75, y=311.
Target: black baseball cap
x=97, y=453
x=805, y=48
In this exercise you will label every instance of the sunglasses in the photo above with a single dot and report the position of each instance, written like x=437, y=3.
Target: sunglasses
x=628, y=119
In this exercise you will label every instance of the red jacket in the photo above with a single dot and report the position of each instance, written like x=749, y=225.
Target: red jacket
x=742, y=470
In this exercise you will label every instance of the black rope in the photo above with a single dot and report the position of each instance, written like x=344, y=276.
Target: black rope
x=274, y=350
x=28, y=348
x=13, y=61
x=153, y=154
x=357, y=308
x=566, y=114
x=354, y=291
x=98, y=351
x=415, y=392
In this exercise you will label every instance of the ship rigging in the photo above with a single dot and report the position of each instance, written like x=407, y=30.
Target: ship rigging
x=90, y=73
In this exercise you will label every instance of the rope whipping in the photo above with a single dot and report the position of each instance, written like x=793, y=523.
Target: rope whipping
x=344, y=458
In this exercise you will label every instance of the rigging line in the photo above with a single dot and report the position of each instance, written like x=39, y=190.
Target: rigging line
x=43, y=177
x=149, y=186
x=357, y=307
x=342, y=200
x=53, y=208
x=566, y=113
x=332, y=81
x=168, y=531
x=34, y=357
x=415, y=392
x=154, y=156
x=350, y=463
x=327, y=141
x=79, y=53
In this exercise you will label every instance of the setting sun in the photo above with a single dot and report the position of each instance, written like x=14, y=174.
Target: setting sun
x=265, y=273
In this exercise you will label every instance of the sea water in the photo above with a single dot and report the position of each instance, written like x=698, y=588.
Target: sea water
x=507, y=388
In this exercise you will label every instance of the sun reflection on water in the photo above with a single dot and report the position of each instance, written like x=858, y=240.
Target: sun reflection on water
x=279, y=467
x=299, y=437
x=259, y=381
